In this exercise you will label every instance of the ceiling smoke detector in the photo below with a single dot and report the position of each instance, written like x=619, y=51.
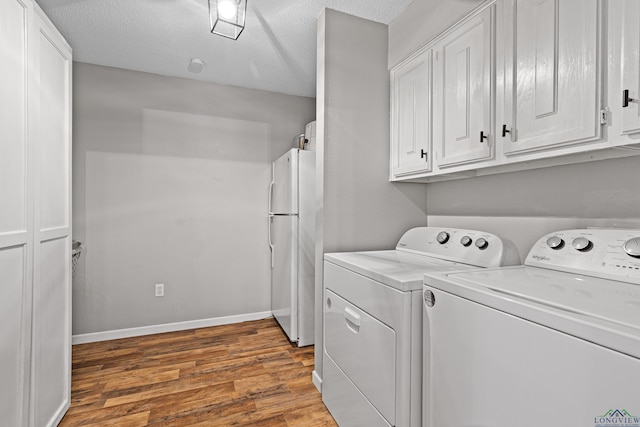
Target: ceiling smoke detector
x=195, y=65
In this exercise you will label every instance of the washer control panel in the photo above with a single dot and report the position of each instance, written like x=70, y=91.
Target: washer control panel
x=607, y=253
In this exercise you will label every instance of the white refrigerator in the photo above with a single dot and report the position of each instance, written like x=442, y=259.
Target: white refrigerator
x=292, y=242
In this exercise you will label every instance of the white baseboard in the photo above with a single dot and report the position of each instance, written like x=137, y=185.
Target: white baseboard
x=60, y=413
x=316, y=380
x=167, y=327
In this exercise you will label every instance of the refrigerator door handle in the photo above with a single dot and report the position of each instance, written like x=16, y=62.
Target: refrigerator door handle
x=271, y=185
x=271, y=246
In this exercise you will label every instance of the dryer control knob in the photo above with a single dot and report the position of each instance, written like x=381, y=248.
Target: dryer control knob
x=442, y=237
x=465, y=241
x=632, y=247
x=555, y=242
x=482, y=243
x=582, y=244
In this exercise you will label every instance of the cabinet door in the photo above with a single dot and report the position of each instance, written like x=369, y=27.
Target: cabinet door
x=465, y=65
x=16, y=234
x=51, y=330
x=552, y=74
x=411, y=117
x=631, y=67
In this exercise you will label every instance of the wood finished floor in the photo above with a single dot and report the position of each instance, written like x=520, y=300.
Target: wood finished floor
x=245, y=374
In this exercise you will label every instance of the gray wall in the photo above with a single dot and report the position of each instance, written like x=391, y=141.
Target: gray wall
x=523, y=206
x=359, y=209
x=170, y=186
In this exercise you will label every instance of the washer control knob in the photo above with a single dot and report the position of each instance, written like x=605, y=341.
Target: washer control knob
x=555, y=242
x=582, y=244
x=482, y=243
x=442, y=237
x=632, y=247
x=465, y=241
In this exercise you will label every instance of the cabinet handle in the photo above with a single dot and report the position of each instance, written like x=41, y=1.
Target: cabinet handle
x=424, y=155
x=483, y=136
x=625, y=98
x=505, y=131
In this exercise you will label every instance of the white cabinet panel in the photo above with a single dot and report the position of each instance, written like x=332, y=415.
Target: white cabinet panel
x=551, y=71
x=13, y=282
x=54, y=139
x=51, y=349
x=51, y=331
x=16, y=215
x=13, y=112
x=411, y=116
x=464, y=100
x=631, y=67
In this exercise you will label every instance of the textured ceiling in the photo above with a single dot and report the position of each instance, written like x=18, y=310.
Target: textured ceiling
x=275, y=52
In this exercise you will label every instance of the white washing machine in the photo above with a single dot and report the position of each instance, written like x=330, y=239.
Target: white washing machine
x=555, y=342
x=373, y=321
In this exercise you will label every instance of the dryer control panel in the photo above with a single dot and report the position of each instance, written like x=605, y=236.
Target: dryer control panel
x=607, y=253
x=473, y=247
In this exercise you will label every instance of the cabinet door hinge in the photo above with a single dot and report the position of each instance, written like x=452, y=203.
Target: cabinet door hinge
x=604, y=116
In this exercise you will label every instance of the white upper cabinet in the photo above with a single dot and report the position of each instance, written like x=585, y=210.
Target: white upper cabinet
x=550, y=80
x=630, y=95
x=411, y=116
x=521, y=84
x=463, y=113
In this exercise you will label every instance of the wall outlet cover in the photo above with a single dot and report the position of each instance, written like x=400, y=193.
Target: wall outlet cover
x=159, y=289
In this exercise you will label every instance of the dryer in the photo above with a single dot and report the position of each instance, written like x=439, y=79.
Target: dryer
x=553, y=342
x=373, y=321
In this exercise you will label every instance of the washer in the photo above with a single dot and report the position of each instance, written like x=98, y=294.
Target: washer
x=553, y=342
x=373, y=321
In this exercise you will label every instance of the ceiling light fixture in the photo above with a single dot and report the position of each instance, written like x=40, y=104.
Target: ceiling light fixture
x=227, y=17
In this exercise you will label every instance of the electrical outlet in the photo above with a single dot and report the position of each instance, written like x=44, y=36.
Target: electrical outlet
x=159, y=290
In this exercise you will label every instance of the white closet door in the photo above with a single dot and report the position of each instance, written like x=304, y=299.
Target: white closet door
x=631, y=67
x=16, y=233
x=51, y=334
x=553, y=99
x=465, y=66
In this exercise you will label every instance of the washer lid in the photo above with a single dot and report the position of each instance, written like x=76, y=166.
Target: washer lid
x=398, y=269
x=598, y=310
